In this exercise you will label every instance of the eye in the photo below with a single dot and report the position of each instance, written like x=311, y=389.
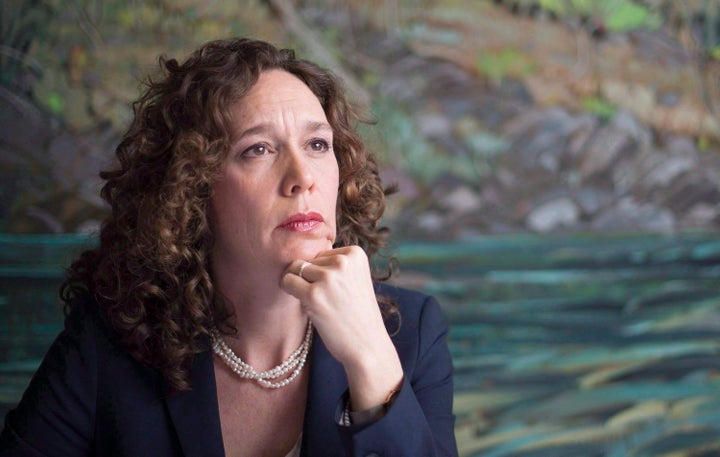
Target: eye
x=319, y=145
x=256, y=150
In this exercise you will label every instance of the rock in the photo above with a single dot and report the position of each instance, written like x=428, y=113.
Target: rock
x=629, y=215
x=690, y=189
x=431, y=222
x=613, y=149
x=592, y=199
x=540, y=137
x=433, y=125
x=624, y=176
x=628, y=123
x=555, y=214
x=677, y=145
x=461, y=200
x=585, y=127
x=702, y=215
x=527, y=122
x=665, y=169
x=603, y=150
x=480, y=143
x=505, y=177
x=532, y=121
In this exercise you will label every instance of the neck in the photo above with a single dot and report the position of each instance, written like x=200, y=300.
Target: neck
x=270, y=323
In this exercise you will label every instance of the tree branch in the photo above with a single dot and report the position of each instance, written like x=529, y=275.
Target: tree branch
x=320, y=53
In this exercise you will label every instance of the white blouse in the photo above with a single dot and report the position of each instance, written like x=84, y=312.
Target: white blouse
x=295, y=451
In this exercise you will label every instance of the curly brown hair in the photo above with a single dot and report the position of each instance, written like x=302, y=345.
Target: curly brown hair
x=150, y=272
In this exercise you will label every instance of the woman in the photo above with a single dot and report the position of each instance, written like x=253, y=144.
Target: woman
x=230, y=308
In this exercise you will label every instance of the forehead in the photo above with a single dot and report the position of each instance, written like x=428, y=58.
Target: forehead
x=276, y=90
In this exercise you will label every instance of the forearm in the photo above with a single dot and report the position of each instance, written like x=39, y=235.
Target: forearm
x=374, y=376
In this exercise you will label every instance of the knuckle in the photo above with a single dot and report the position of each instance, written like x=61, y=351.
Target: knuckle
x=324, y=275
x=314, y=294
x=358, y=254
x=341, y=261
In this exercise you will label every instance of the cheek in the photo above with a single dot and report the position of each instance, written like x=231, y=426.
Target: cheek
x=333, y=204
x=332, y=184
x=229, y=201
x=333, y=175
x=220, y=200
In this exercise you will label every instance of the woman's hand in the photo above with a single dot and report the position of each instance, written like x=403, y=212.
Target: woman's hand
x=336, y=292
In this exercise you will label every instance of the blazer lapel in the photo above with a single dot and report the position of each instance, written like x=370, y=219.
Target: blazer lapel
x=195, y=413
x=327, y=384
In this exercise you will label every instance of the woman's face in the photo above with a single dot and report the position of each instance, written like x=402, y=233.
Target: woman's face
x=275, y=200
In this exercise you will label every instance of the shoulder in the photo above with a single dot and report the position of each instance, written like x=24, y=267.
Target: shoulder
x=84, y=314
x=415, y=307
x=401, y=295
x=59, y=403
x=75, y=352
x=84, y=323
x=420, y=324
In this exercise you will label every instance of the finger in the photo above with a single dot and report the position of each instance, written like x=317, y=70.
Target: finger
x=302, y=271
x=331, y=252
x=350, y=251
x=295, y=267
x=300, y=289
x=294, y=285
x=324, y=261
x=307, y=271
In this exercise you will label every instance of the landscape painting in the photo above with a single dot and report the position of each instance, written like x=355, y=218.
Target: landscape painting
x=555, y=177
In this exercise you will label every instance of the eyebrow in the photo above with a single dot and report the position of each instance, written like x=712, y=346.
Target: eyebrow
x=313, y=126
x=310, y=126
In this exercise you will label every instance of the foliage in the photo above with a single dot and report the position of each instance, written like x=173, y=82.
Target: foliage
x=715, y=52
x=21, y=23
x=599, y=107
x=402, y=144
x=615, y=15
x=409, y=151
x=508, y=62
x=435, y=34
x=629, y=15
x=55, y=103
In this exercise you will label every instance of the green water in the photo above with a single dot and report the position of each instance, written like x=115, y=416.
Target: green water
x=563, y=345
x=582, y=345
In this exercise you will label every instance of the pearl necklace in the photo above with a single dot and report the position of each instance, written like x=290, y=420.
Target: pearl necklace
x=293, y=364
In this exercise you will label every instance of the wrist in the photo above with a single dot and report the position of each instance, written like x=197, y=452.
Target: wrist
x=374, y=381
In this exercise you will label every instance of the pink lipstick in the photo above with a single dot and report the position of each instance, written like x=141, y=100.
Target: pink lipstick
x=301, y=222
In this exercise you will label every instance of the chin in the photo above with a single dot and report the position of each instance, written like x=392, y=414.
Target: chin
x=308, y=250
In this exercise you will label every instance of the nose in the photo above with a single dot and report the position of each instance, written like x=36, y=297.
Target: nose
x=298, y=176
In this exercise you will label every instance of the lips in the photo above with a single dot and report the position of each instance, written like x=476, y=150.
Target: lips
x=302, y=222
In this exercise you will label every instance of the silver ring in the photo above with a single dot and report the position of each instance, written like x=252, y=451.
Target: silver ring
x=302, y=267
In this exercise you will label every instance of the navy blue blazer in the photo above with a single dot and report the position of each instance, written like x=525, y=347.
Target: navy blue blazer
x=90, y=398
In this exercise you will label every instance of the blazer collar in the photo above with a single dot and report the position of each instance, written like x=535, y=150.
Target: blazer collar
x=197, y=409
x=327, y=385
x=195, y=413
